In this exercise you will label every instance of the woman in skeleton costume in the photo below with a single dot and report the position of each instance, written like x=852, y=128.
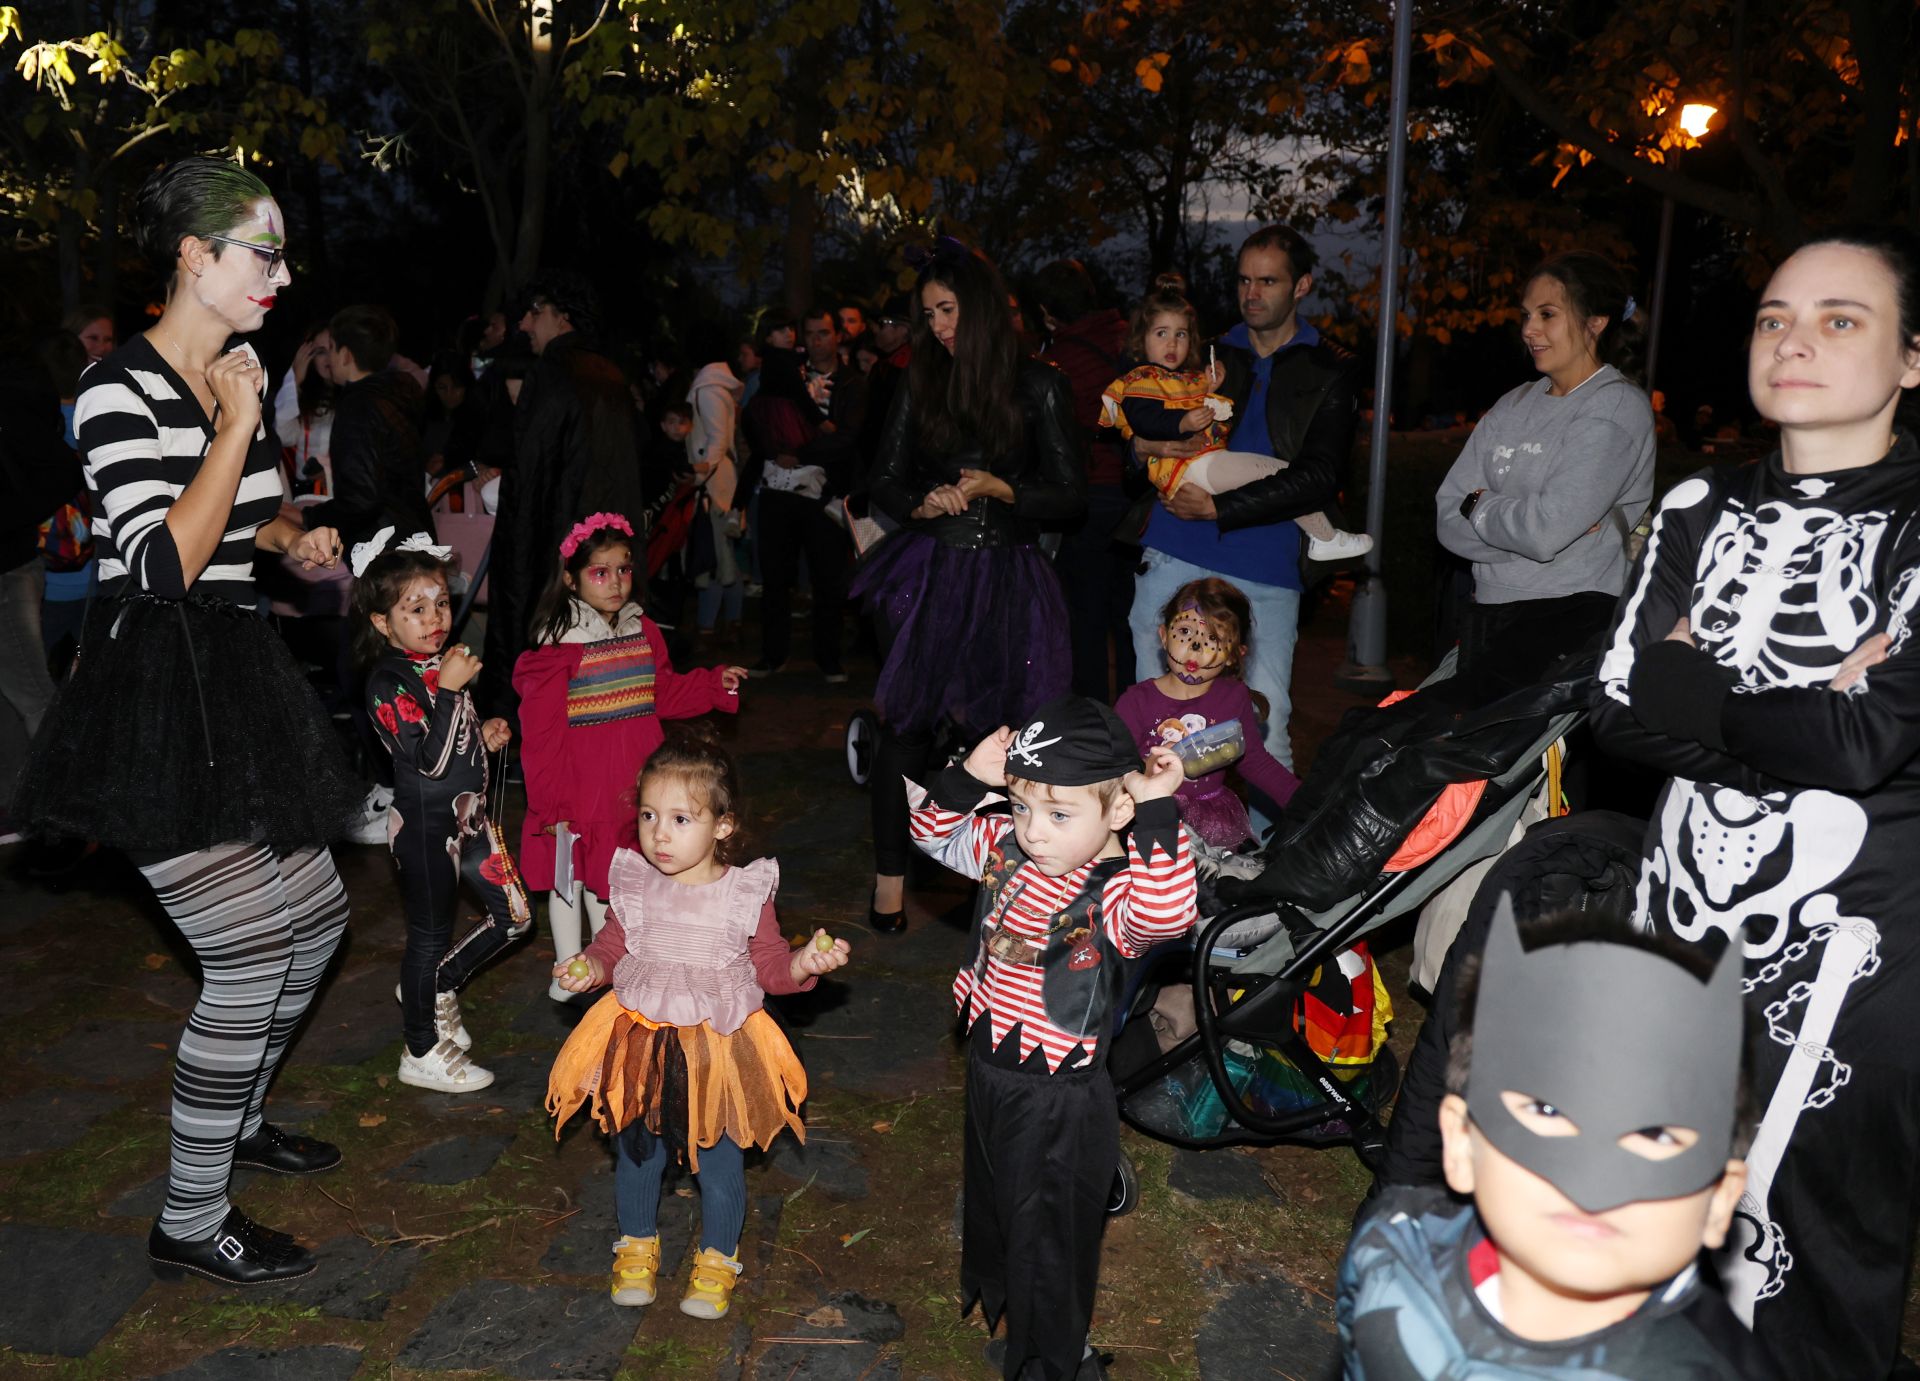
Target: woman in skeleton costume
x=1761, y=657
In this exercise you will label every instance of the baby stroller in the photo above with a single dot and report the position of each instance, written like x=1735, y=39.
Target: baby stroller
x=1289, y=1016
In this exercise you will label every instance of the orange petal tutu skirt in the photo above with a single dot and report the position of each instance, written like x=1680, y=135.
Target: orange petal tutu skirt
x=747, y=1087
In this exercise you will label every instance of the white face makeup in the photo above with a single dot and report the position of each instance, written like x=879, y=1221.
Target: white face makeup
x=419, y=619
x=241, y=284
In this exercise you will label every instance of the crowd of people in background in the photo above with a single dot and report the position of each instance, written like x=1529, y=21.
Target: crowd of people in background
x=1031, y=509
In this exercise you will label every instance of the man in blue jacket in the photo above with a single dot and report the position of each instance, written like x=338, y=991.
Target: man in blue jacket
x=1295, y=397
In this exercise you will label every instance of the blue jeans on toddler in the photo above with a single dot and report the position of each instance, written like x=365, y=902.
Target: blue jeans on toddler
x=641, y=1161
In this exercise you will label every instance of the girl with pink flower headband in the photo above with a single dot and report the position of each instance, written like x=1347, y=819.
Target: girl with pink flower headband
x=593, y=690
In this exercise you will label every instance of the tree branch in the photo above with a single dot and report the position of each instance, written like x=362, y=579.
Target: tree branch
x=1713, y=200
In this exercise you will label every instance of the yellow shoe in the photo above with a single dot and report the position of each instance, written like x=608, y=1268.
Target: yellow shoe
x=636, y=1265
x=710, y=1290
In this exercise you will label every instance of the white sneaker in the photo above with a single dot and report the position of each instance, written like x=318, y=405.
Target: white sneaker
x=447, y=1022
x=371, y=826
x=445, y=1068
x=1342, y=546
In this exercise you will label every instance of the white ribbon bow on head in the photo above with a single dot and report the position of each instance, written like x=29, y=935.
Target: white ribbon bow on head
x=364, y=552
x=421, y=542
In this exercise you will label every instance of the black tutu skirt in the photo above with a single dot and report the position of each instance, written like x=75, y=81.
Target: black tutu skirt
x=186, y=724
x=977, y=634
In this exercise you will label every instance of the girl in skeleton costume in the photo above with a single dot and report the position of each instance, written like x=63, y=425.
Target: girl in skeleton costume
x=437, y=827
x=208, y=758
x=1762, y=657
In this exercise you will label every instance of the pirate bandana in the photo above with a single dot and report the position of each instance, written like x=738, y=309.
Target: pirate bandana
x=1073, y=742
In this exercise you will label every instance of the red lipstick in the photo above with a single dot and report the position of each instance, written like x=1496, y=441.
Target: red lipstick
x=266, y=302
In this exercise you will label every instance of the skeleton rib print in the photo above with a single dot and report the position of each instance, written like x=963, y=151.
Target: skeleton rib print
x=1797, y=841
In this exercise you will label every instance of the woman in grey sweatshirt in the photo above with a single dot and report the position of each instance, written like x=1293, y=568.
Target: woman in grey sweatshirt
x=1553, y=478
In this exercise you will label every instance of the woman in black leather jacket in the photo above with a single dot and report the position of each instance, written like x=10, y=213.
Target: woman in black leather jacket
x=978, y=454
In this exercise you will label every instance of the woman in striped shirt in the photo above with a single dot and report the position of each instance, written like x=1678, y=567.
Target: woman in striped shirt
x=188, y=736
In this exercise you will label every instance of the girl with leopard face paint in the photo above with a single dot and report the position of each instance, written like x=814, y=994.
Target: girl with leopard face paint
x=1762, y=658
x=1204, y=632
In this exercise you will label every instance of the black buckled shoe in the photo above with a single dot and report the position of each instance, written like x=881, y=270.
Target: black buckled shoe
x=285, y=1153
x=240, y=1253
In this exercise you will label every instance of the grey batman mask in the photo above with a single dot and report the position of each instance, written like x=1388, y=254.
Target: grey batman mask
x=1619, y=1040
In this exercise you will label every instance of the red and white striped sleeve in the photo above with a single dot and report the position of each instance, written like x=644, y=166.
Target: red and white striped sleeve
x=945, y=826
x=1154, y=899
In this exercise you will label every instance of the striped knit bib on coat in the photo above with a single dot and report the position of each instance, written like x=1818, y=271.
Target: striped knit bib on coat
x=615, y=681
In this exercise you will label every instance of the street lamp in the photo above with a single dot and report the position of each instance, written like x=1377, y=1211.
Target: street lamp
x=1695, y=116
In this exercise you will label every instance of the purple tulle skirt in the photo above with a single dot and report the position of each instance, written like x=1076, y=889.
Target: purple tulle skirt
x=976, y=634
x=1214, y=814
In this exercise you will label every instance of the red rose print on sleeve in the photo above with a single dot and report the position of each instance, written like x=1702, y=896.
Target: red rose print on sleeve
x=388, y=720
x=432, y=677
x=409, y=708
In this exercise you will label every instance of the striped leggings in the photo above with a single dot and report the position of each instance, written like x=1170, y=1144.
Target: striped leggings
x=263, y=926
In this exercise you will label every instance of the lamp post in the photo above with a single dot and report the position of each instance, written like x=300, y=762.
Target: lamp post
x=1365, y=669
x=1694, y=118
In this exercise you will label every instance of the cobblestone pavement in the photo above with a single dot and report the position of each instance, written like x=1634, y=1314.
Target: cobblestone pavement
x=460, y=1238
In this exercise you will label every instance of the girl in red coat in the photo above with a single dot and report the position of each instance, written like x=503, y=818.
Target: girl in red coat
x=593, y=691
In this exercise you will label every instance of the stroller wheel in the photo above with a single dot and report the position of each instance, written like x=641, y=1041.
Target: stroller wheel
x=1124, y=1197
x=862, y=743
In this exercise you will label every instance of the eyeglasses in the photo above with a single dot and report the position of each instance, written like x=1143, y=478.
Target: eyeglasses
x=274, y=257
x=600, y=575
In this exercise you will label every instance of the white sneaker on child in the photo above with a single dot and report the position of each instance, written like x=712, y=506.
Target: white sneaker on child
x=446, y=1069
x=371, y=825
x=1342, y=546
x=448, y=1025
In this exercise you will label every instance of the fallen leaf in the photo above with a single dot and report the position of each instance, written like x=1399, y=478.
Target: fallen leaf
x=372, y=1119
x=850, y=1238
x=381, y=1080
x=158, y=1045
x=156, y=961
x=826, y=1316
x=883, y=1126
x=1155, y=1322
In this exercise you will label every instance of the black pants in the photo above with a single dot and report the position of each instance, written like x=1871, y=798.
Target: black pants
x=1041, y=1151
x=789, y=525
x=430, y=890
x=1506, y=646
x=1096, y=576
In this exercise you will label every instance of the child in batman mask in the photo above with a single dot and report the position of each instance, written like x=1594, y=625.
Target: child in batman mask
x=1592, y=1117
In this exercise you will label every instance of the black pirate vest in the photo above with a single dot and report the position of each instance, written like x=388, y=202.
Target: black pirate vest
x=1080, y=967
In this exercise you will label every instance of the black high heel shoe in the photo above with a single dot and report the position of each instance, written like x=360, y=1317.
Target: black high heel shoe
x=886, y=922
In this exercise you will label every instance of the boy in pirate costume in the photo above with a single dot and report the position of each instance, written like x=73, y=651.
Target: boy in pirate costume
x=1593, y=1116
x=1091, y=868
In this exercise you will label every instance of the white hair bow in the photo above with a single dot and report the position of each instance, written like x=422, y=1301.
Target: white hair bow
x=363, y=552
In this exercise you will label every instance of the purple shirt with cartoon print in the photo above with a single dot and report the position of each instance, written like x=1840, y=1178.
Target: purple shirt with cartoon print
x=1207, y=804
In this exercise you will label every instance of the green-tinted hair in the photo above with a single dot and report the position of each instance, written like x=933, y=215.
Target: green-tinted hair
x=197, y=197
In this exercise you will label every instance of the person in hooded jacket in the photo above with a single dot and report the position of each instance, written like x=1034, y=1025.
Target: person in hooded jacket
x=577, y=448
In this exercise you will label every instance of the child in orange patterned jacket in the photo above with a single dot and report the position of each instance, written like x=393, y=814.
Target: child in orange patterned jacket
x=593, y=691
x=1171, y=398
